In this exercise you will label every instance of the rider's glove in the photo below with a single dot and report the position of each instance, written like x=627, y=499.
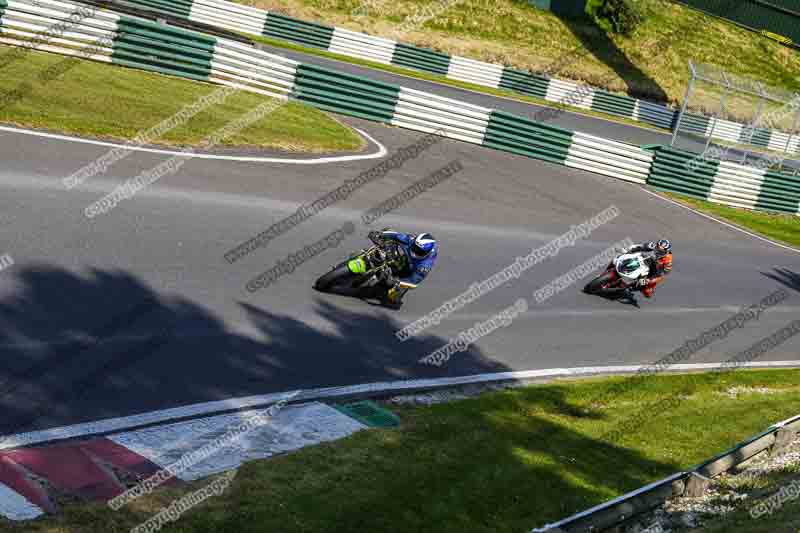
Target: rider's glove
x=374, y=236
x=642, y=282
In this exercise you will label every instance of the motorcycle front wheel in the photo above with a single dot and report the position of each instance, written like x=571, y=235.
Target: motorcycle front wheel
x=338, y=276
x=600, y=284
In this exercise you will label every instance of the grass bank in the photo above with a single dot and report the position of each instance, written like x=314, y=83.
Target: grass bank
x=99, y=100
x=780, y=227
x=437, y=78
x=501, y=462
x=651, y=63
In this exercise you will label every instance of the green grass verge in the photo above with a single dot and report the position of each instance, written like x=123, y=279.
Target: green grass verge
x=100, y=100
x=781, y=227
x=513, y=32
x=501, y=462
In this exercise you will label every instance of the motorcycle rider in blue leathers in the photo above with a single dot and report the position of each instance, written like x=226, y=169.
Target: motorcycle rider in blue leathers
x=420, y=250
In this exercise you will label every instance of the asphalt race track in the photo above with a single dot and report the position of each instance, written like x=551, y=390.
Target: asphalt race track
x=137, y=310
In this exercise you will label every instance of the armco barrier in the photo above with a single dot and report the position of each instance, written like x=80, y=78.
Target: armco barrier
x=672, y=171
x=737, y=133
x=610, y=158
x=613, y=513
x=724, y=182
x=183, y=22
x=138, y=43
x=143, y=44
x=252, y=21
x=416, y=110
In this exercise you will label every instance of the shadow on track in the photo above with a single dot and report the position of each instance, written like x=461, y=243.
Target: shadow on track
x=785, y=277
x=81, y=348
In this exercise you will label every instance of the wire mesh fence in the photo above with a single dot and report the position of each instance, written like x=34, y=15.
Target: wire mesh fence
x=739, y=119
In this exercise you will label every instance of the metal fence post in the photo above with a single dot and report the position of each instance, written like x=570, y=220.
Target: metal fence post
x=683, y=106
x=792, y=129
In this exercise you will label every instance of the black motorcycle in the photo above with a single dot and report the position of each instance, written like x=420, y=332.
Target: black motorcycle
x=364, y=273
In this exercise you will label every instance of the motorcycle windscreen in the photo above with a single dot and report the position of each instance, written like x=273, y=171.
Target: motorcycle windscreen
x=629, y=266
x=357, y=266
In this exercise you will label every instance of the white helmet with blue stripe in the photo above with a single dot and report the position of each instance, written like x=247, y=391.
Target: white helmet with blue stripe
x=422, y=246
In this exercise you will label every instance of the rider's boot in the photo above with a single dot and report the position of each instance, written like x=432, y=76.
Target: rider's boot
x=394, y=298
x=628, y=293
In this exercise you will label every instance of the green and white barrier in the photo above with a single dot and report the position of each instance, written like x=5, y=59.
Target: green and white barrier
x=252, y=21
x=672, y=171
x=779, y=142
x=363, y=46
x=138, y=43
x=472, y=71
x=737, y=133
x=724, y=182
x=611, y=158
x=236, y=17
x=142, y=44
x=421, y=111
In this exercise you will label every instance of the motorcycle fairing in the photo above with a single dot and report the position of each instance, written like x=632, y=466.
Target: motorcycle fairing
x=357, y=266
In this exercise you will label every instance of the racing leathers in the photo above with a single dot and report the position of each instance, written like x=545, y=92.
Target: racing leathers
x=416, y=269
x=660, y=264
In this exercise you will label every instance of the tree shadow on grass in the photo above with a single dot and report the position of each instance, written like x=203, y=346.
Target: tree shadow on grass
x=499, y=463
x=597, y=41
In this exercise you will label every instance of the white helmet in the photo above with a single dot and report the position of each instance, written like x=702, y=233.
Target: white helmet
x=422, y=246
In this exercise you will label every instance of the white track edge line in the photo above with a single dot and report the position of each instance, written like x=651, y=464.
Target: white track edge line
x=253, y=159
x=116, y=425
x=733, y=226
